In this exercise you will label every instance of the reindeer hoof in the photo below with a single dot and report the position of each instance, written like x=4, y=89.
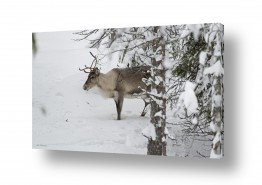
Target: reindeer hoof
x=143, y=114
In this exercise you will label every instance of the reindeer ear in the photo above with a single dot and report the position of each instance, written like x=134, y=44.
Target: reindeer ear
x=97, y=71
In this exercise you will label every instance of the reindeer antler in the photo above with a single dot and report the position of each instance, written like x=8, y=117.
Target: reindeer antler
x=84, y=69
x=95, y=60
x=91, y=67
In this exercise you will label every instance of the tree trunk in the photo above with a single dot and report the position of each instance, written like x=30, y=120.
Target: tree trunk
x=216, y=151
x=158, y=99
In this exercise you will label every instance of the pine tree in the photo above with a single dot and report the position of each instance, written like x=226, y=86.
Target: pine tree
x=197, y=49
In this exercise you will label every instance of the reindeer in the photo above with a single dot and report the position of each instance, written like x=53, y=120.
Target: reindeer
x=118, y=83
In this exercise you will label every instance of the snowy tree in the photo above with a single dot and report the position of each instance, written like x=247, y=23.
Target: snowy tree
x=216, y=72
x=138, y=47
x=183, y=99
x=186, y=67
x=157, y=94
x=197, y=48
x=34, y=44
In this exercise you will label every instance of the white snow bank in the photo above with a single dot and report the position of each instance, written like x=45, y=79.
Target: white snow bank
x=65, y=117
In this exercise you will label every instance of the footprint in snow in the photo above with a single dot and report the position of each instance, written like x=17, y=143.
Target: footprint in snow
x=59, y=94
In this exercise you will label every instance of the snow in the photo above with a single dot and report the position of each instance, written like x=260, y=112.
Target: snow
x=155, y=93
x=191, y=28
x=168, y=75
x=159, y=102
x=195, y=28
x=194, y=121
x=216, y=139
x=202, y=57
x=190, y=86
x=168, y=61
x=159, y=113
x=217, y=48
x=215, y=69
x=189, y=99
x=212, y=36
x=185, y=33
x=166, y=131
x=65, y=117
x=206, y=37
x=217, y=101
x=213, y=155
x=213, y=126
x=158, y=80
x=150, y=131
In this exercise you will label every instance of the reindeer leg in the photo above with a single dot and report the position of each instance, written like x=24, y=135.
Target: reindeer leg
x=119, y=105
x=145, y=108
x=116, y=101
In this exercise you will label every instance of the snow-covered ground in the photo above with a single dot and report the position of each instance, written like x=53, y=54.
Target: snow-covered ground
x=65, y=117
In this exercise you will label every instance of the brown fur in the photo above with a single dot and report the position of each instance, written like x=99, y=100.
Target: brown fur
x=119, y=83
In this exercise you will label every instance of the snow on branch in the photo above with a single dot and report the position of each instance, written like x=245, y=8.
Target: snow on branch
x=215, y=69
x=213, y=154
x=188, y=98
x=149, y=132
x=202, y=57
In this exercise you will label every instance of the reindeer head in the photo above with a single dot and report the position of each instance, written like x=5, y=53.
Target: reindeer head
x=92, y=79
x=93, y=72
